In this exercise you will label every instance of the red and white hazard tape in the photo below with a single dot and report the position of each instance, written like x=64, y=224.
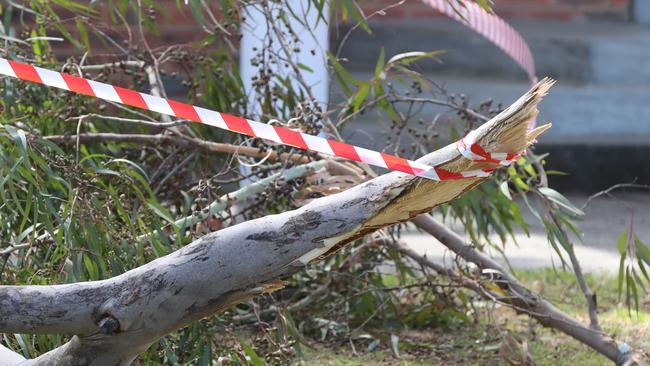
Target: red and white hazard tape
x=247, y=127
x=491, y=27
x=495, y=29
x=468, y=147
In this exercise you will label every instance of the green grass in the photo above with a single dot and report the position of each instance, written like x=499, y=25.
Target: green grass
x=480, y=343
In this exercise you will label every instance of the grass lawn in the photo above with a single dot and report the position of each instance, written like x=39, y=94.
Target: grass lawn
x=483, y=343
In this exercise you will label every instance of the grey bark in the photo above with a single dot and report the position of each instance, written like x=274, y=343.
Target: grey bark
x=115, y=319
x=10, y=357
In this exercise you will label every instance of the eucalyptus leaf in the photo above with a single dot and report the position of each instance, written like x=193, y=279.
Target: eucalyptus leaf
x=394, y=345
x=561, y=201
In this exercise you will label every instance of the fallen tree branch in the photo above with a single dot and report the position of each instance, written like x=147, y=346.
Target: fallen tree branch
x=524, y=300
x=113, y=320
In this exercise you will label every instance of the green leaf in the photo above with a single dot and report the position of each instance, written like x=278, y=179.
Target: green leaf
x=512, y=172
x=197, y=11
x=642, y=251
x=561, y=201
x=379, y=67
x=503, y=187
x=407, y=58
x=380, y=97
x=254, y=359
x=83, y=33
x=20, y=338
x=350, y=8
x=129, y=162
x=633, y=293
x=485, y=4
x=305, y=67
x=373, y=345
x=75, y=6
x=643, y=270
x=360, y=96
x=341, y=74
x=556, y=172
x=160, y=211
x=19, y=137
x=622, y=242
x=37, y=46
x=91, y=267
x=621, y=276
x=394, y=344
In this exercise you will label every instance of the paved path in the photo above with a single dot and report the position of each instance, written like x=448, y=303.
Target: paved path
x=605, y=219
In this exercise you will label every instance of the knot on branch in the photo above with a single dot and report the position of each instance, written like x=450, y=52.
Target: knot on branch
x=108, y=324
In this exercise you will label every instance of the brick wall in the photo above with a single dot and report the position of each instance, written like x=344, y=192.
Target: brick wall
x=565, y=10
x=175, y=25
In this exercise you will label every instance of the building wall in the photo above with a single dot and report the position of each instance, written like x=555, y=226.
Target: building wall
x=177, y=25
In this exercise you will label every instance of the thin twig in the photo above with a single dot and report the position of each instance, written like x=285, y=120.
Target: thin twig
x=609, y=190
x=179, y=140
x=129, y=63
x=12, y=248
x=365, y=19
x=132, y=121
x=443, y=103
x=173, y=171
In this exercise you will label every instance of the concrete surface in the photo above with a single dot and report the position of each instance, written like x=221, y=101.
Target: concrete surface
x=605, y=219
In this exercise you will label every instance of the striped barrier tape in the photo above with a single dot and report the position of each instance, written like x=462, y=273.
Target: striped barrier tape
x=468, y=147
x=493, y=28
x=228, y=122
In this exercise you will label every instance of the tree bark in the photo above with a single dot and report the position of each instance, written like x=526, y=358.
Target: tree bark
x=115, y=319
x=10, y=357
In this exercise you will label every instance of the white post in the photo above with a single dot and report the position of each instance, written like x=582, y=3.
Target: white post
x=313, y=33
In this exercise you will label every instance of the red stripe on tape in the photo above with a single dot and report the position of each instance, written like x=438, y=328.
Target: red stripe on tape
x=131, y=97
x=77, y=84
x=344, y=150
x=184, y=110
x=396, y=163
x=238, y=124
x=24, y=71
x=447, y=175
x=291, y=137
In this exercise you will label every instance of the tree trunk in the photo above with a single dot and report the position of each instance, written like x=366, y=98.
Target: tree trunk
x=115, y=319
